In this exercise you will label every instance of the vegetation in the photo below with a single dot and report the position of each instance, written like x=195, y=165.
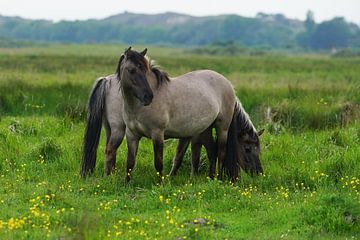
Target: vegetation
x=310, y=106
x=265, y=30
x=336, y=33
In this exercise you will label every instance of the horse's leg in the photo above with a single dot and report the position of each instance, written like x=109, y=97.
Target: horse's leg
x=132, y=144
x=210, y=146
x=158, y=143
x=108, y=135
x=117, y=133
x=179, y=156
x=195, y=155
x=221, y=149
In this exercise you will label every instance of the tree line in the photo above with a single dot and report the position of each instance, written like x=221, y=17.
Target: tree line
x=272, y=31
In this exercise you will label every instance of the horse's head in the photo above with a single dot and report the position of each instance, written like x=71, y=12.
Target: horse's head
x=250, y=143
x=131, y=71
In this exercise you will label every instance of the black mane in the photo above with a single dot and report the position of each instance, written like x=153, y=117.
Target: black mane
x=161, y=76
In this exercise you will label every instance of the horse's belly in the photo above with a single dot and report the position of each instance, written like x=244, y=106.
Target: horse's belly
x=189, y=126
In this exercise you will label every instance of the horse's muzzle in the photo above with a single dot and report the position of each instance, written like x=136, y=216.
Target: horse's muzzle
x=147, y=99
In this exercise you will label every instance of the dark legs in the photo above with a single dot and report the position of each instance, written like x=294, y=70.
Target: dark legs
x=205, y=139
x=133, y=143
x=210, y=146
x=158, y=144
x=195, y=156
x=179, y=156
x=221, y=149
x=112, y=144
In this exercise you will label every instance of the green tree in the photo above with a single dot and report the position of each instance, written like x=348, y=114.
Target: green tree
x=331, y=34
x=310, y=22
x=303, y=38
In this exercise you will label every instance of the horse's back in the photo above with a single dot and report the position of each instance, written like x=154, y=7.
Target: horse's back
x=207, y=81
x=207, y=85
x=199, y=98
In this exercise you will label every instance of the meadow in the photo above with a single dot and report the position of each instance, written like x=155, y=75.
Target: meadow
x=308, y=104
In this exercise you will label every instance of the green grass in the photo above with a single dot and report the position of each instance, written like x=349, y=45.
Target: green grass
x=310, y=153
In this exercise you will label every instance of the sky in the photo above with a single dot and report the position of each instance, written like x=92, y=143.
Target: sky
x=81, y=9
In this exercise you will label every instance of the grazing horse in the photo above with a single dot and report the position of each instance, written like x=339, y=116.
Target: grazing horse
x=105, y=108
x=248, y=148
x=183, y=107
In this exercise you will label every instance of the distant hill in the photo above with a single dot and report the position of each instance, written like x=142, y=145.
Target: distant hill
x=265, y=30
x=167, y=19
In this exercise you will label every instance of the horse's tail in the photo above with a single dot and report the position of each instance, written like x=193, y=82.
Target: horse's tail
x=96, y=106
x=233, y=155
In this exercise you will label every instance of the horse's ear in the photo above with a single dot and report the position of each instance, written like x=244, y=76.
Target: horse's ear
x=144, y=52
x=261, y=132
x=119, y=65
x=127, y=50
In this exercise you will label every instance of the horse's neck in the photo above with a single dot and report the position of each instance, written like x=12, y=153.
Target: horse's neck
x=152, y=81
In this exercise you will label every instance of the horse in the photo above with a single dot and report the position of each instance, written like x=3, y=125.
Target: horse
x=105, y=108
x=183, y=107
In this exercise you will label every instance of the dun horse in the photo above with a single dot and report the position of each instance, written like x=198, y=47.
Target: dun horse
x=106, y=104
x=158, y=107
x=105, y=108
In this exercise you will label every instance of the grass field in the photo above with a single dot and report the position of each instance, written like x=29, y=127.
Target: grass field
x=309, y=105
